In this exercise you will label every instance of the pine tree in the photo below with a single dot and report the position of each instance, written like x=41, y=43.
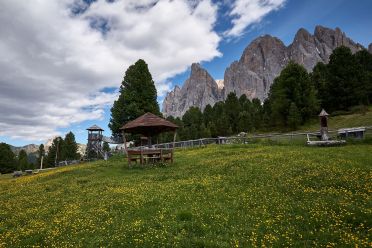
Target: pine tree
x=137, y=96
x=245, y=123
x=22, y=160
x=343, y=82
x=106, y=147
x=364, y=59
x=208, y=114
x=292, y=85
x=232, y=109
x=319, y=77
x=54, y=152
x=256, y=113
x=41, y=153
x=294, y=118
x=8, y=161
x=192, y=121
x=69, y=148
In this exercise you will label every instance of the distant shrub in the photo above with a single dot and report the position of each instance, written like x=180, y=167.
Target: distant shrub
x=360, y=109
x=341, y=112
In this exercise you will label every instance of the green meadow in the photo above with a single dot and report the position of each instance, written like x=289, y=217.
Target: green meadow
x=253, y=195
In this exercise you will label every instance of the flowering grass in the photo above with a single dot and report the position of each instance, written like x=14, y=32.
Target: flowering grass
x=218, y=196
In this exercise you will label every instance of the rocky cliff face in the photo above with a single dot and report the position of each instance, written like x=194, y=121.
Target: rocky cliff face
x=260, y=63
x=254, y=73
x=200, y=89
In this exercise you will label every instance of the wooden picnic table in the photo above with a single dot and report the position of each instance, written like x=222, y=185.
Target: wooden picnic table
x=144, y=156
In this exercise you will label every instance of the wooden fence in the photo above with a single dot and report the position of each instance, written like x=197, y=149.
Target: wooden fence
x=280, y=138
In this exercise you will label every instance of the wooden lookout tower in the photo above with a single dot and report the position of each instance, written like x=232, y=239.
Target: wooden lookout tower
x=94, y=140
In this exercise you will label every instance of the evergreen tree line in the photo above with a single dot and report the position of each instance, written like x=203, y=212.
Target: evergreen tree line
x=295, y=98
x=61, y=149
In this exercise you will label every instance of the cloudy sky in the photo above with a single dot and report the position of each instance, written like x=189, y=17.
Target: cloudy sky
x=62, y=61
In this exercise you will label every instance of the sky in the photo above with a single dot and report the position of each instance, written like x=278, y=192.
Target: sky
x=62, y=61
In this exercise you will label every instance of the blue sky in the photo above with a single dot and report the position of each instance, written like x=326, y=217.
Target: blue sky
x=60, y=72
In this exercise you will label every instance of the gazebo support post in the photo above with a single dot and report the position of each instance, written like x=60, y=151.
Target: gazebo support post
x=125, y=142
x=174, y=138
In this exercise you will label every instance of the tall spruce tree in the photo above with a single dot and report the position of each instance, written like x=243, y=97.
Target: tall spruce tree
x=256, y=113
x=343, y=80
x=364, y=59
x=319, y=77
x=232, y=109
x=22, y=160
x=137, y=96
x=70, y=148
x=106, y=147
x=8, y=161
x=193, y=120
x=292, y=85
x=40, y=153
x=54, y=152
x=294, y=117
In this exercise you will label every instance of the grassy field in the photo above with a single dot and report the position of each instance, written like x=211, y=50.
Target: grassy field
x=219, y=196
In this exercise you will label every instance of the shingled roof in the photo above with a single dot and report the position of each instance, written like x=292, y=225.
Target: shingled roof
x=323, y=113
x=149, y=124
x=95, y=128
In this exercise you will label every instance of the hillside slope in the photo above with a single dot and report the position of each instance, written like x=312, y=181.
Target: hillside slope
x=219, y=196
x=343, y=121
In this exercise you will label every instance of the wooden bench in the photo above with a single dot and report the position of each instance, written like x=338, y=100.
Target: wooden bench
x=166, y=155
x=134, y=156
x=149, y=155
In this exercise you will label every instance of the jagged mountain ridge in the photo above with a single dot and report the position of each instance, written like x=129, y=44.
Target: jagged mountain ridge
x=31, y=148
x=205, y=91
x=261, y=62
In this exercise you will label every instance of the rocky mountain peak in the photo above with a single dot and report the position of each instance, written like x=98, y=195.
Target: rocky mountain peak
x=200, y=89
x=195, y=67
x=253, y=74
x=303, y=35
x=260, y=63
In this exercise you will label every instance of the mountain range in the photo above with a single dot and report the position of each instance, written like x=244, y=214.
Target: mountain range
x=33, y=149
x=253, y=74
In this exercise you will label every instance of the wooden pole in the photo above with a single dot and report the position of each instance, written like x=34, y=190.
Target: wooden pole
x=125, y=142
x=174, y=138
x=55, y=160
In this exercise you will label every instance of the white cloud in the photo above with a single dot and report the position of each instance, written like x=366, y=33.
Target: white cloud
x=248, y=12
x=54, y=65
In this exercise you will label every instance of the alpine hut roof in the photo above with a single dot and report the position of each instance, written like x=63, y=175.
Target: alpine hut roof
x=323, y=113
x=149, y=124
x=95, y=128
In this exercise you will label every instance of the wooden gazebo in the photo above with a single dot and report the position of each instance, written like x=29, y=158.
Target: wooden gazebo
x=148, y=125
